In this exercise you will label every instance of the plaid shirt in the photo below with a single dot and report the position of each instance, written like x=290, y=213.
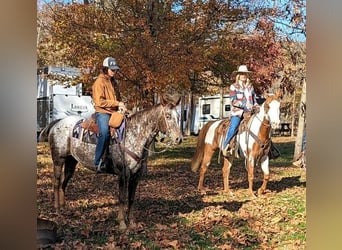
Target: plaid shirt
x=239, y=96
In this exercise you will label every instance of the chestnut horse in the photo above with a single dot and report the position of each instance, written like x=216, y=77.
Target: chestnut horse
x=127, y=157
x=254, y=142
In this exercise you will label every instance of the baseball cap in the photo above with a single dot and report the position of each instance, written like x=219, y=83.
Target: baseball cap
x=110, y=63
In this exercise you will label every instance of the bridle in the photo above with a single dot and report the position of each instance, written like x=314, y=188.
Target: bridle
x=154, y=132
x=158, y=129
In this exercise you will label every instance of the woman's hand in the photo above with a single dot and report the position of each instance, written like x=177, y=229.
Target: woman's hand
x=249, y=106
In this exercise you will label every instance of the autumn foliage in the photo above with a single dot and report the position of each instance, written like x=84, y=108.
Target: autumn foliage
x=160, y=43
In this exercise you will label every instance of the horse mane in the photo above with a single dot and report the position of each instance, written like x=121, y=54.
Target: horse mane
x=138, y=114
x=43, y=135
x=198, y=156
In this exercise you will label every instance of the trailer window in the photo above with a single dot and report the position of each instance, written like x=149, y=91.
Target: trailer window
x=184, y=115
x=227, y=107
x=206, y=109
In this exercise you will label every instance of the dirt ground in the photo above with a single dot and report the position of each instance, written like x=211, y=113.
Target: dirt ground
x=171, y=214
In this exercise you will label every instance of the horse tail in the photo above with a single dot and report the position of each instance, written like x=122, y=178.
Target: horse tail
x=43, y=135
x=198, y=156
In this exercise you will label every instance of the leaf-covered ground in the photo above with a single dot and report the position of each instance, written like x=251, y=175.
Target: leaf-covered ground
x=171, y=214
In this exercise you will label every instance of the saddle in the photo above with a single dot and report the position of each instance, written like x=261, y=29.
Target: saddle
x=223, y=129
x=90, y=125
x=242, y=127
x=273, y=152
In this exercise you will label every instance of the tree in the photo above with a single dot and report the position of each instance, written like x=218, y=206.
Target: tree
x=301, y=123
x=162, y=43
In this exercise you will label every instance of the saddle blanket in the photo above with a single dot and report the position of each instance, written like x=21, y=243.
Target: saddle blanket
x=89, y=136
x=83, y=134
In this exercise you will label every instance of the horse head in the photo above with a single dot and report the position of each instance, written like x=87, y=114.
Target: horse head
x=272, y=108
x=169, y=124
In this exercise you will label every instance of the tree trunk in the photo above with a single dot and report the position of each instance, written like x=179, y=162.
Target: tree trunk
x=301, y=124
x=293, y=117
x=221, y=103
x=182, y=114
x=189, y=115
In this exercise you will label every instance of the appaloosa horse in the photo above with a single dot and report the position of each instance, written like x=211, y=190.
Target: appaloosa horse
x=254, y=142
x=127, y=156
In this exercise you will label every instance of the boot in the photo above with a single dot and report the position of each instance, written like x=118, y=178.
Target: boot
x=230, y=148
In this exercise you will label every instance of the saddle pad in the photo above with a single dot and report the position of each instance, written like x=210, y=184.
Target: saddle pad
x=89, y=136
x=83, y=134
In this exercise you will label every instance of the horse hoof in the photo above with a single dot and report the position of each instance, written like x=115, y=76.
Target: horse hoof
x=202, y=191
x=231, y=194
x=228, y=193
x=263, y=192
x=252, y=195
x=122, y=226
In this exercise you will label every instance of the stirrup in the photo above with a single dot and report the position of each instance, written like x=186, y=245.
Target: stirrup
x=226, y=151
x=101, y=167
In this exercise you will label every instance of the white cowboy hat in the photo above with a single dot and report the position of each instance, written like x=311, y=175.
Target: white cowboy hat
x=242, y=69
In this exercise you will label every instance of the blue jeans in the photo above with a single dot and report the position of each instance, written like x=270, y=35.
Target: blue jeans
x=234, y=124
x=102, y=140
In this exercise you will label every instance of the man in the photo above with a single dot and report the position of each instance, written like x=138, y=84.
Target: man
x=106, y=102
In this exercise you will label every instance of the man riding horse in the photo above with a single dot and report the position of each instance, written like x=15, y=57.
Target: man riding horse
x=106, y=102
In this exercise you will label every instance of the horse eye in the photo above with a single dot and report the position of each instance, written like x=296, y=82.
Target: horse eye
x=168, y=116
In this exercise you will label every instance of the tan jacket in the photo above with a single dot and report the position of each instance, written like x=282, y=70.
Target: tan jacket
x=104, y=95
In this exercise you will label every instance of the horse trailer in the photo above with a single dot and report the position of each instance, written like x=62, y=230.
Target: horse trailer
x=57, y=98
x=211, y=108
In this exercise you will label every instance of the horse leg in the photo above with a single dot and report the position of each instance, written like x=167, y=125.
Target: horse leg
x=69, y=169
x=265, y=169
x=58, y=179
x=208, y=154
x=225, y=174
x=250, y=169
x=122, y=199
x=132, y=187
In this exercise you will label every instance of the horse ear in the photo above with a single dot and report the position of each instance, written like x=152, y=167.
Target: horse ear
x=172, y=99
x=279, y=93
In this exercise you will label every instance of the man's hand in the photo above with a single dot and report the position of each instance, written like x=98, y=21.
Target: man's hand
x=122, y=107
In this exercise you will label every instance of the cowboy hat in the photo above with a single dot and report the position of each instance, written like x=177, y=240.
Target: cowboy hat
x=242, y=69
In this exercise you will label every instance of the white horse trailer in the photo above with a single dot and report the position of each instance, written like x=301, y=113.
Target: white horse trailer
x=57, y=98
x=212, y=108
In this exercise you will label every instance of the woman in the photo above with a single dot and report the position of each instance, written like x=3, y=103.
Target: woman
x=242, y=97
